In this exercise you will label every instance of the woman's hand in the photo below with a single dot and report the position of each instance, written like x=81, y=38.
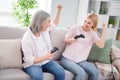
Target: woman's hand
x=49, y=56
x=103, y=26
x=59, y=7
x=69, y=41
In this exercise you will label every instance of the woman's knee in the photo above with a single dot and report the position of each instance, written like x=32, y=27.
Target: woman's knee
x=56, y=69
x=35, y=72
x=95, y=72
x=81, y=73
x=60, y=71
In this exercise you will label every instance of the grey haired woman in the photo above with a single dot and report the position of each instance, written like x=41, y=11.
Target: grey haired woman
x=36, y=46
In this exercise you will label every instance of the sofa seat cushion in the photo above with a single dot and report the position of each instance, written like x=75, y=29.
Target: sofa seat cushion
x=68, y=75
x=18, y=74
x=48, y=76
x=13, y=74
x=10, y=53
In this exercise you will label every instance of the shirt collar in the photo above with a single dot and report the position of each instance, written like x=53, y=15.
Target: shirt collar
x=31, y=34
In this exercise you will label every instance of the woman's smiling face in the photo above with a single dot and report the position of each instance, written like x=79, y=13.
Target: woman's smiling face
x=87, y=25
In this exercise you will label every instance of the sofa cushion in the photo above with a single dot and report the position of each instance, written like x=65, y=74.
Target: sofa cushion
x=10, y=53
x=101, y=54
x=115, y=55
x=49, y=76
x=105, y=70
x=57, y=39
x=13, y=74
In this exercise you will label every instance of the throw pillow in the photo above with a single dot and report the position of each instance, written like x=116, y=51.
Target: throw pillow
x=101, y=54
x=10, y=53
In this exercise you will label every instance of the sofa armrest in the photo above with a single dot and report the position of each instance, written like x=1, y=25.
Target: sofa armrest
x=105, y=70
x=115, y=56
x=115, y=53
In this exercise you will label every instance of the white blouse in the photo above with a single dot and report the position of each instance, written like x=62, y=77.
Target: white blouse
x=36, y=46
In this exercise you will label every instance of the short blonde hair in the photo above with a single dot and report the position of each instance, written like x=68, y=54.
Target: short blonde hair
x=94, y=19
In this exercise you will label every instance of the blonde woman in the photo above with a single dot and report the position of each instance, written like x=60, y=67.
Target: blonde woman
x=79, y=41
x=36, y=46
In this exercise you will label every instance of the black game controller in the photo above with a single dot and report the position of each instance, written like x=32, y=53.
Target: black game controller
x=54, y=49
x=79, y=36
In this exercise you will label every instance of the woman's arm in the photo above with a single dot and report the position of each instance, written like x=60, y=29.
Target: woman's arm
x=69, y=41
x=101, y=42
x=48, y=56
x=57, y=15
x=69, y=37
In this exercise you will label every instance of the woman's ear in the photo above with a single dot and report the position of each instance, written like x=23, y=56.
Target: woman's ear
x=94, y=28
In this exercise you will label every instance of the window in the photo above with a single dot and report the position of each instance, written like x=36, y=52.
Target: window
x=6, y=19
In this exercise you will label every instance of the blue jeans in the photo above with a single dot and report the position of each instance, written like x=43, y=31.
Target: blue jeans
x=36, y=72
x=80, y=69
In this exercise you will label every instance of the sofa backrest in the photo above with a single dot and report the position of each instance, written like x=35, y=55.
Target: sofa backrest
x=13, y=35
x=11, y=32
x=10, y=43
x=57, y=39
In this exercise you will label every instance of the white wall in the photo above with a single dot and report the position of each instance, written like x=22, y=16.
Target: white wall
x=82, y=11
x=69, y=12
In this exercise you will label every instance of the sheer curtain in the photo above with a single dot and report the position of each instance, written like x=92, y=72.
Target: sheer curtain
x=6, y=19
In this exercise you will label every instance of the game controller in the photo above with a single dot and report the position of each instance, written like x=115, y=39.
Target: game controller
x=54, y=49
x=79, y=36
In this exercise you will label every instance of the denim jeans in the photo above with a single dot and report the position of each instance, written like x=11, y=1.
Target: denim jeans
x=36, y=72
x=80, y=69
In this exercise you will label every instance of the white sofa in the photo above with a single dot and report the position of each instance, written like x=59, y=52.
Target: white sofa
x=11, y=55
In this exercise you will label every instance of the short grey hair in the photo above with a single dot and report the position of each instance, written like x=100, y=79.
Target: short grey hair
x=39, y=17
